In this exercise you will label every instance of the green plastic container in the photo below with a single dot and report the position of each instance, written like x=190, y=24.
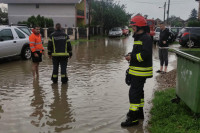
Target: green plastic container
x=188, y=78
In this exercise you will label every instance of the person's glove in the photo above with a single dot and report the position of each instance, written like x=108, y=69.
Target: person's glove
x=128, y=78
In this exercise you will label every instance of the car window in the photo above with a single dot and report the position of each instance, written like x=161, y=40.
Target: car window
x=25, y=30
x=116, y=29
x=149, y=22
x=6, y=34
x=20, y=34
x=174, y=30
x=157, y=29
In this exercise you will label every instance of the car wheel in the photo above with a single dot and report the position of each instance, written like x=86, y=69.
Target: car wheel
x=190, y=44
x=26, y=53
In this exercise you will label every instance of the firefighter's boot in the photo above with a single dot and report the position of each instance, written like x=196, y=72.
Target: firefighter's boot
x=140, y=113
x=131, y=119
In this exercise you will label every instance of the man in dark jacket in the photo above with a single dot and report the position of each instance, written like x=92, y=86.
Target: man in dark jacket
x=59, y=49
x=163, y=48
x=140, y=69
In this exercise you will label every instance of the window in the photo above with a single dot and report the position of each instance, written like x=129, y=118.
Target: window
x=26, y=30
x=6, y=34
x=20, y=34
x=37, y=6
x=157, y=29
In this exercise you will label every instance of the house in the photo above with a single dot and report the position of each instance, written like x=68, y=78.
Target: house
x=68, y=13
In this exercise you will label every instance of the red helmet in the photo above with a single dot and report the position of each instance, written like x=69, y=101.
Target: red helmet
x=138, y=21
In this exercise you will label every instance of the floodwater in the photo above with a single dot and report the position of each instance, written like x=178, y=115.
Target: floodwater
x=95, y=100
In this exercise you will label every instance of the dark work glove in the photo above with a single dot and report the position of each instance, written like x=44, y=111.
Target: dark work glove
x=128, y=78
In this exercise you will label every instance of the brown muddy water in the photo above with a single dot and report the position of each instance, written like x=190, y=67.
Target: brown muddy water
x=95, y=100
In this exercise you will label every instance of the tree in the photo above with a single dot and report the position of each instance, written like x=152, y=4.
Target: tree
x=193, y=15
x=176, y=21
x=39, y=20
x=3, y=16
x=193, y=23
x=108, y=14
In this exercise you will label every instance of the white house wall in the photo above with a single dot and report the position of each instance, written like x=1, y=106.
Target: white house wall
x=64, y=14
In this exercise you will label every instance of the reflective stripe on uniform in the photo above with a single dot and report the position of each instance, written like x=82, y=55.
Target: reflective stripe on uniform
x=138, y=42
x=32, y=47
x=141, y=103
x=54, y=49
x=143, y=74
x=63, y=76
x=60, y=54
x=55, y=76
x=134, y=107
x=139, y=58
x=135, y=121
x=38, y=43
x=141, y=68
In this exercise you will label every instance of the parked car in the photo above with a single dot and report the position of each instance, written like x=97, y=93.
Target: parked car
x=14, y=40
x=189, y=37
x=175, y=30
x=125, y=30
x=114, y=32
x=156, y=38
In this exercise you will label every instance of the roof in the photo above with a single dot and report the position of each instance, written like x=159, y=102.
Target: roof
x=41, y=1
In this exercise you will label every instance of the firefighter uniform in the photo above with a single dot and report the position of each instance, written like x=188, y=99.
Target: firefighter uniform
x=140, y=69
x=35, y=43
x=59, y=47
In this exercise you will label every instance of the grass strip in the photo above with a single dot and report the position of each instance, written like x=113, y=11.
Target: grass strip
x=169, y=117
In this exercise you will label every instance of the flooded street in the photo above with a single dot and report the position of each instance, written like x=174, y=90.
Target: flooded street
x=95, y=100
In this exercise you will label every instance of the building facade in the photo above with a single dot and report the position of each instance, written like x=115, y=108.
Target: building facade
x=69, y=13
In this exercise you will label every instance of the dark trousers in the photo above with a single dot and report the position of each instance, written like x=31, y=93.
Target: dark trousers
x=136, y=92
x=163, y=56
x=62, y=61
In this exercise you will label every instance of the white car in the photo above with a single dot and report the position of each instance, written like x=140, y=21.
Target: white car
x=156, y=37
x=117, y=31
x=14, y=40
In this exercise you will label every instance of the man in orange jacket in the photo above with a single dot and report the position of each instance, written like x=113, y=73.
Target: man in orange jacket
x=37, y=49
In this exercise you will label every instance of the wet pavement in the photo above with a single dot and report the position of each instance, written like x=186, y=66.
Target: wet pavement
x=95, y=100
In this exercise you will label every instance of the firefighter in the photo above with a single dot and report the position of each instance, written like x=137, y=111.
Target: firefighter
x=140, y=69
x=37, y=49
x=59, y=49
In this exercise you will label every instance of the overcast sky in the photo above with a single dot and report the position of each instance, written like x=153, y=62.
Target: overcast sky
x=179, y=8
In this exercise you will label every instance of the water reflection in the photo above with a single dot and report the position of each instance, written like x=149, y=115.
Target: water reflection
x=1, y=110
x=60, y=114
x=38, y=103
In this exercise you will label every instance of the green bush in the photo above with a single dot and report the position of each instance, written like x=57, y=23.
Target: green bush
x=39, y=20
x=193, y=23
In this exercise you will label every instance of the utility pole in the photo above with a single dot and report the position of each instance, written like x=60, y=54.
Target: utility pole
x=168, y=11
x=199, y=12
x=89, y=19
x=164, y=11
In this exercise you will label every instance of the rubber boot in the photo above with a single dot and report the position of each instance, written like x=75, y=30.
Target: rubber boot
x=140, y=113
x=64, y=80
x=131, y=120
